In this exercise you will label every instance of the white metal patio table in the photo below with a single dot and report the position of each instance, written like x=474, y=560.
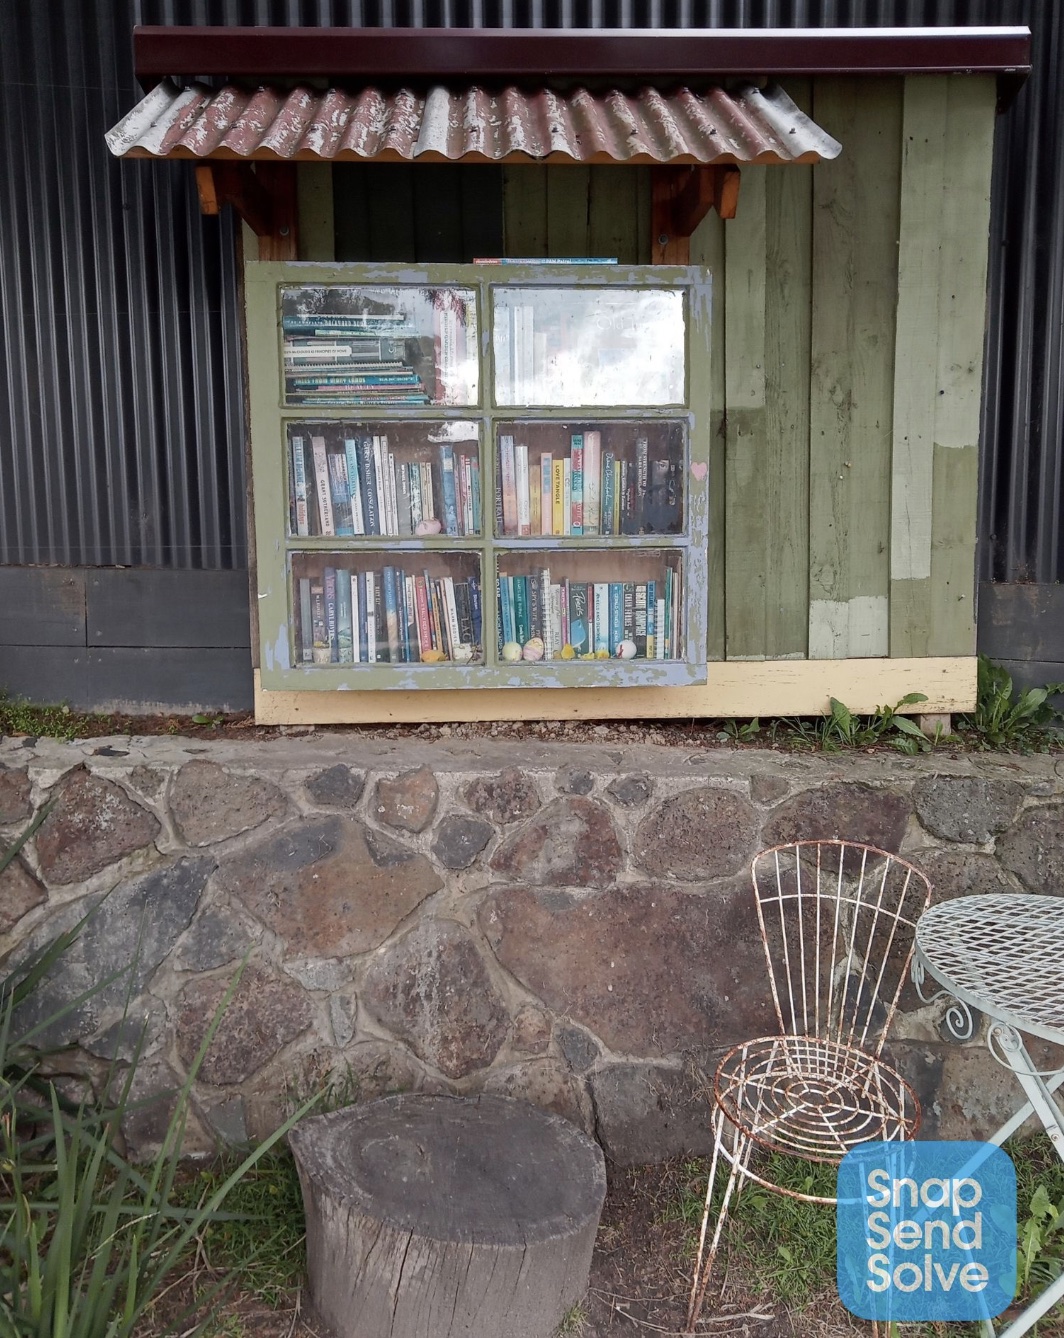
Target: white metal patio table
x=1003, y=954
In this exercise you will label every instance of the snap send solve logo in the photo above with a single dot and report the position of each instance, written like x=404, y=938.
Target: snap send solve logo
x=926, y=1231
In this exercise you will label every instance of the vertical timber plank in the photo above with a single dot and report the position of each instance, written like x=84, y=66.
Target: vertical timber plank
x=568, y=191
x=643, y=211
x=961, y=318
x=855, y=235
x=916, y=362
x=707, y=249
x=317, y=227
x=745, y=272
x=524, y=214
x=613, y=205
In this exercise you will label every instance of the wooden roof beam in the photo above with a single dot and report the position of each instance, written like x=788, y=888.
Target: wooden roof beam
x=681, y=197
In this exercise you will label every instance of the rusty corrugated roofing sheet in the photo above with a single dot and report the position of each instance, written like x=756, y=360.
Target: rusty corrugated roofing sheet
x=746, y=125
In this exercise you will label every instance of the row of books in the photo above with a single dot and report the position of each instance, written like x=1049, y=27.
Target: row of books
x=351, y=359
x=363, y=489
x=391, y=616
x=581, y=619
x=588, y=492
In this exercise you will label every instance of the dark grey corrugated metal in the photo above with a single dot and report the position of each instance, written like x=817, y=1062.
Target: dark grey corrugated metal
x=121, y=336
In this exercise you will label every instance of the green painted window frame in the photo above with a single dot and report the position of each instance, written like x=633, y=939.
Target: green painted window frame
x=280, y=668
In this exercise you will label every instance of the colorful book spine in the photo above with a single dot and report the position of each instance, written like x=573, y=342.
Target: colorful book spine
x=391, y=613
x=546, y=498
x=652, y=620
x=358, y=621
x=423, y=617
x=524, y=520
x=547, y=620
x=509, y=485
x=402, y=498
x=306, y=624
x=476, y=610
x=640, y=620
x=567, y=496
x=413, y=471
x=522, y=630
x=368, y=474
x=372, y=639
x=447, y=489
x=557, y=497
x=344, y=631
x=661, y=640
x=354, y=485
x=606, y=517
x=322, y=489
x=642, y=480
x=506, y=631
x=576, y=510
x=592, y=482
x=535, y=607
x=329, y=581
x=318, y=624
x=341, y=494
x=616, y=615
x=454, y=632
x=581, y=633
x=299, y=485
x=535, y=501
x=617, y=496
x=601, y=617
x=475, y=493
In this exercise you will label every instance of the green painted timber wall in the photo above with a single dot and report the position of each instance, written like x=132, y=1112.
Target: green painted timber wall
x=849, y=315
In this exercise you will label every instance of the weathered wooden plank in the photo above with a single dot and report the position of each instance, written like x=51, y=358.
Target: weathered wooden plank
x=42, y=606
x=613, y=204
x=855, y=233
x=524, y=210
x=390, y=199
x=154, y=607
x=437, y=214
x=138, y=681
x=644, y=204
x=707, y=249
x=351, y=211
x=317, y=233
x=568, y=190
x=955, y=479
x=481, y=195
x=1020, y=621
x=736, y=688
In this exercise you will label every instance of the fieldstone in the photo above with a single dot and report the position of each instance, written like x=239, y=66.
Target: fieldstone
x=955, y=873
x=343, y=1018
x=545, y=1083
x=213, y=939
x=575, y=782
x=649, y=1112
x=376, y=1069
x=211, y=804
x=971, y=809
x=1034, y=849
x=93, y=824
x=20, y=892
x=136, y=1032
x=459, y=840
x=648, y=969
x=697, y=835
x=317, y=885
x=149, y=781
x=150, y=1110
x=320, y=973
x=577, y=1046
x=849, y=811
x=135, y=926
x=336, y=787
x=228, y=1121
x=264, y=1015
x=14, y=794
x=768, y=789
x=384, y=851
x=509, y=797
x=570, y=843
x=631, y=791
x=433, y=991
x=530, y=1034
x=407, y=802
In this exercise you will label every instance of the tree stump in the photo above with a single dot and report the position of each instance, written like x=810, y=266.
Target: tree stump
x=447, y=1217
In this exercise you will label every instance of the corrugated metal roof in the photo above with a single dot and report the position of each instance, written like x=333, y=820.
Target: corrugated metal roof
x=747, y=125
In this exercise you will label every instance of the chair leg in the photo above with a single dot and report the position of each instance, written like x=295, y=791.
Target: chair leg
x=737, y=1159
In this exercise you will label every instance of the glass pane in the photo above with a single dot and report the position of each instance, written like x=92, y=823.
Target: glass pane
x=394, y=478
x=379, y=346
x=387, y=608
x=573, y=346
x=557, y=605
x=583, y=479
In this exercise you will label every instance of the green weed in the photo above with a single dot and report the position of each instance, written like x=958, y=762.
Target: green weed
x=1005, y=719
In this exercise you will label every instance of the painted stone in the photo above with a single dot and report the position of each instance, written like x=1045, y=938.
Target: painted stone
x=511, y=652
x=533, y=649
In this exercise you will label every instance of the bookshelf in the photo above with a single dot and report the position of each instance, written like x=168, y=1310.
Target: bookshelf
x=479, y=476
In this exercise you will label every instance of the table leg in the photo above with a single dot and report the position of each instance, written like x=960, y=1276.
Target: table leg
x=1005, y=1043
x=1034, y=1312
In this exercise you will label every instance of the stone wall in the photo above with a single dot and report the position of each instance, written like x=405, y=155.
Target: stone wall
x=568, y=924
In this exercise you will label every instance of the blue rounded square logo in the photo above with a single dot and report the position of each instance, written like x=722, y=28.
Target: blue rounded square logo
x=926, y=1231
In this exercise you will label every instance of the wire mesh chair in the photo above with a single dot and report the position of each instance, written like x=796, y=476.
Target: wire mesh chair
x=837, y=923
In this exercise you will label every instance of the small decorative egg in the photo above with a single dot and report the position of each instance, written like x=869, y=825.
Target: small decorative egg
x=432, y=656
x=626, y=650
x=533, y=648
x=432, y=525
x=462, y=653
x=567, y=652
x=511, y=652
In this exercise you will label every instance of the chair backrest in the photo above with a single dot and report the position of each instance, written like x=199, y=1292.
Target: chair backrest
x=837, y=921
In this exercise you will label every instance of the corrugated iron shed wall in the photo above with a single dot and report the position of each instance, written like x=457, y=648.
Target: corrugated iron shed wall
x=121, y=338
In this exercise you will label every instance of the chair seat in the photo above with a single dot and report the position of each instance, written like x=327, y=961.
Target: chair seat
x=813, y=1098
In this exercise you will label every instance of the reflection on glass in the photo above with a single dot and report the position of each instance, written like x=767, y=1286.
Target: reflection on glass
x=590, y=606
x=587, y=346
x=394, y=478
x=403, y=345
x=589, y=479
x=387, y=608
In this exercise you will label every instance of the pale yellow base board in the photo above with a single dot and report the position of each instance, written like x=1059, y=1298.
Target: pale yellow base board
x=737, y=688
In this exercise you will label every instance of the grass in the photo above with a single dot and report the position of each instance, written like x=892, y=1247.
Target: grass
x=789, y=1247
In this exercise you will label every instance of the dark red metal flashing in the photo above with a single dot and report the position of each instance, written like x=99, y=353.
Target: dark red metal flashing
x=537, y=54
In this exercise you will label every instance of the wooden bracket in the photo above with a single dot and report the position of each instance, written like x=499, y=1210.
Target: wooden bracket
x=681, y=198
x=264, y=197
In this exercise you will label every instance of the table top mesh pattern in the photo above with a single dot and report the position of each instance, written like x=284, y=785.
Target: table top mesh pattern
x=1004, y=953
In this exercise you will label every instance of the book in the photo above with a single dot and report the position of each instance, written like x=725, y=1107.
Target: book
x=546, y=491
x=379, y=465
x=576, y=456
x=640, y=620
x=476, y=610
x=358, y=520
x=402, y=498
x=329, y=581
x=524, y=525
x=474, y=474
x=454, y=633
x=606, y=516
x=341, y=494
x=447, y=490
x=601, y=617
x=344, y=633
x=391, y=613
x=322, y=487
x=358, y=622
x=522, y=627
x=508, y=472
x=660, y=637
x=617, y=496
x=299, y=486
x=616, y=606
x=319, y=628
x=558, y=497
x=592, y=482
x=652, y=619
x=368, y=474
x=535, y=607
x=641, y=482
x=567, y=496
x=372, y=645
x=306, y=625
x=464, y=612
x=389, y=491
x=411, y=645
x=546, y=605
x=628, y=611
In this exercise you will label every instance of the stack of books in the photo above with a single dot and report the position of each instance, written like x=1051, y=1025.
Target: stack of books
x=354, y=359
x=588, y=491
x=391, y=616
x=591, y=620
x=363, y=489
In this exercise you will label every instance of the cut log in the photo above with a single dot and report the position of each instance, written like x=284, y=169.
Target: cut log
x=447, y=1217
